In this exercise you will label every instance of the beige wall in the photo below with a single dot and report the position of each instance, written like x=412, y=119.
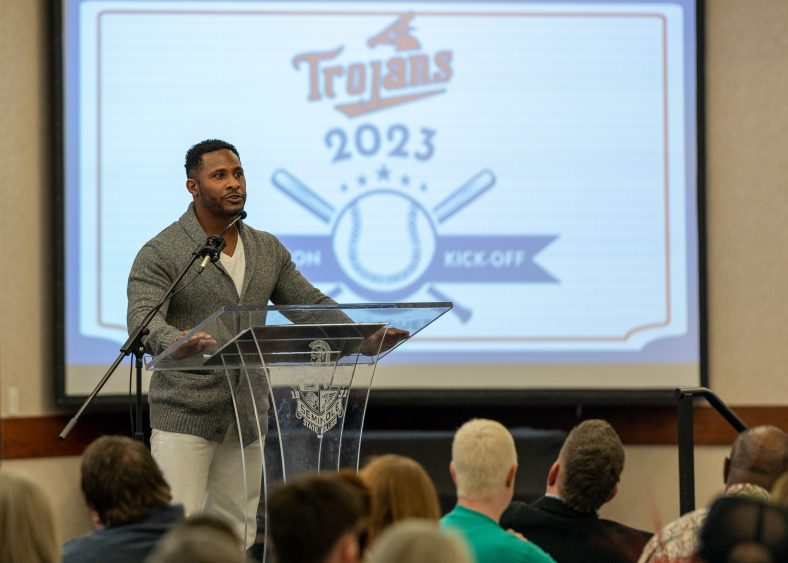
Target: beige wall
x=747, y=207
x=26, y=300
x=747, y=199
x=25, y=216
x=649, y=493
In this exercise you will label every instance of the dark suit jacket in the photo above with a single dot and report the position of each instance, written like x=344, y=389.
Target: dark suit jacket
x=574, y=537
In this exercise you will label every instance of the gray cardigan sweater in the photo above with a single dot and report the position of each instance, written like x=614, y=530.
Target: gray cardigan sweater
x=199, y=403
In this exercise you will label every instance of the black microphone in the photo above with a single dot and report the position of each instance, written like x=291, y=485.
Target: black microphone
x=215, y=244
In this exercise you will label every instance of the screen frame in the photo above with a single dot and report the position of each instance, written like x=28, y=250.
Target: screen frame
x=384, y=396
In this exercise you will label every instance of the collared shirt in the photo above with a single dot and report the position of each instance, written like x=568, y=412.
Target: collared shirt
x=677, y=541
x=126, y=543
x=558, y=497
x=570, y=536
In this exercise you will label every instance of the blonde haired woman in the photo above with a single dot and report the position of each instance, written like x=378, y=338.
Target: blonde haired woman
x=418, y=541
x=400, y=488
x=27, y=526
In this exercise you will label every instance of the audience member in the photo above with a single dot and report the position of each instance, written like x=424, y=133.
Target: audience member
x=351, y=477
x=400, y=488
x=129, y=502
x=565, y=522
x=779, y=492
x=27, y=528
x=739, y=529
x=483, y=467
x=201, y=538
x=416, y=540
x=317, y=519
x=758, y=457
x=205, y=521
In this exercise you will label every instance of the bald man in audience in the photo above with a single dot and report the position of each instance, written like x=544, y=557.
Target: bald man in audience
x=758, y=457
x=565, y=521
x=483, y=467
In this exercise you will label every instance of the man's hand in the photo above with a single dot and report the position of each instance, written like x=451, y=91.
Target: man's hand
x=518, y=535
x=193, y=345
x=382, y=340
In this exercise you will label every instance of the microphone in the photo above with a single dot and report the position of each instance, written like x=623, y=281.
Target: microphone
x=241, y=215
x=215, y=244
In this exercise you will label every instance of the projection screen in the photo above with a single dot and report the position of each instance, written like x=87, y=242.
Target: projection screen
x=535, y=163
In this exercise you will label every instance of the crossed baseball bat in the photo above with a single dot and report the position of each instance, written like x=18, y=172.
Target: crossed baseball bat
x=447, y=208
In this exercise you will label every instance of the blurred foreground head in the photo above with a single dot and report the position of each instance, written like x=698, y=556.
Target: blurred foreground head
x=419, y=541
x=27, y=529
x=743, y=530
x=202, y=538
x=317, y=519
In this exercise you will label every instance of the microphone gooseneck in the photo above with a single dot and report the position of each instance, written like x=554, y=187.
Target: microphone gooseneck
x=241, y=215
x=215, y=244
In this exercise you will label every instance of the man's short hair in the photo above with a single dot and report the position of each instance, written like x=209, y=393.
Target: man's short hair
x=194, y=154
x=308, y=516
x=482, y=454
x=121, y=481
x=591, y=459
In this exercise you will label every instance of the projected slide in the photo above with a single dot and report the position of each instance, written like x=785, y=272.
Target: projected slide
x=533, y=163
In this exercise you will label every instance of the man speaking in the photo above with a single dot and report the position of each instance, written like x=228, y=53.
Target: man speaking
x=194, y=439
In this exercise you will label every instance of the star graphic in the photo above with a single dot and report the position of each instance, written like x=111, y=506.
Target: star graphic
x=405, y=180
x=362, y=180
x=383, y=173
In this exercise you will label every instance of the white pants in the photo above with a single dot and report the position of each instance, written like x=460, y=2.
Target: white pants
x=206, y=476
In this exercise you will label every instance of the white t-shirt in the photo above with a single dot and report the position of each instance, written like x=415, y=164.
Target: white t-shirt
x=236, y=264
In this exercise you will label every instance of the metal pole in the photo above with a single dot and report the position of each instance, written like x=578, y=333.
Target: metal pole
x=139, y=434
x=686, y=441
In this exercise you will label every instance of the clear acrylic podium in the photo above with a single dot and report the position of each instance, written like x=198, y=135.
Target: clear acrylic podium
x=307, y=368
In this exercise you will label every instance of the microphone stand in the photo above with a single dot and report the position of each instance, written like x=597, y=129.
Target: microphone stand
x=134, y=345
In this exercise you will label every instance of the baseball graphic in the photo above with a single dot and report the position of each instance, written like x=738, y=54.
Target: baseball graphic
x=384, y=240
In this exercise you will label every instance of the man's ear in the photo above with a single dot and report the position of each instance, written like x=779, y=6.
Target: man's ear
x=611, y=495
x=351, y=552
x=191, y=185
x=510, y=476
x=726, y=470
x=452, y=472
x=345, y=550
x=552, y=475
x=95, y=519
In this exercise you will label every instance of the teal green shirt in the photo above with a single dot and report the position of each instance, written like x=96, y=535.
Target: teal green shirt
x=489, y=542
